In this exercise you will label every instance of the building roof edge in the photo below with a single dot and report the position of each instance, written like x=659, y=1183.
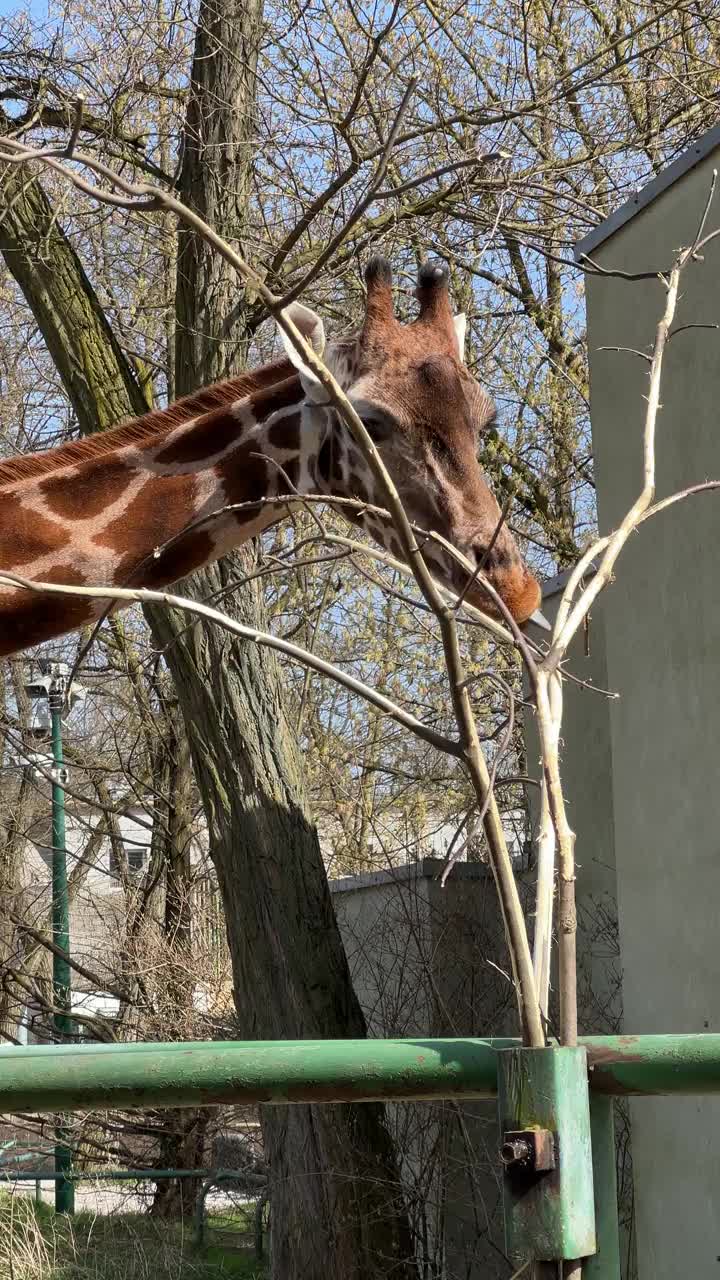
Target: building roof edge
x=645, y=196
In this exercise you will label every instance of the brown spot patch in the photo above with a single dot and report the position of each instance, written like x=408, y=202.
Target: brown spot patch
x=25, y=535
x=27, y=619
x=67, y=574
x=281, y=395
x=245, y=473
x=325, y=460
x=285, y=433
x=81, y=497
x=291, y=469
x=206, y=437
x=162, y=508
x=177, y=562
x=357, y=487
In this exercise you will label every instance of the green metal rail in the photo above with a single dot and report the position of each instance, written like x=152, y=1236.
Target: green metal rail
x=556, y=1137
x=100, y=1077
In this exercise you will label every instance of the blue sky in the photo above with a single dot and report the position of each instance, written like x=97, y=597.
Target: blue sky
x=36, y=8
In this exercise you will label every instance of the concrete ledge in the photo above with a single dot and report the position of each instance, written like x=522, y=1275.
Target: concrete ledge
x=425, y=869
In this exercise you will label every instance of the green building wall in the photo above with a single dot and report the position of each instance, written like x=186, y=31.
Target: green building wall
x=643, y=771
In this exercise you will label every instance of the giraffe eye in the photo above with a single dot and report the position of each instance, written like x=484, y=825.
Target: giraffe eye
x=378, y=427
x=440, y=449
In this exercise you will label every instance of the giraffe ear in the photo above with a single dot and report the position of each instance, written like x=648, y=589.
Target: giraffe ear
x=313, y=330
x=460, y=325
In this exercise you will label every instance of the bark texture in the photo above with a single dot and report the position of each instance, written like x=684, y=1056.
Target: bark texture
x=100, y=381
x=336, y=1205
x=218, y=153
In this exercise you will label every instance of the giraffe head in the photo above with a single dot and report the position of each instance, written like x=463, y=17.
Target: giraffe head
x=426, y=413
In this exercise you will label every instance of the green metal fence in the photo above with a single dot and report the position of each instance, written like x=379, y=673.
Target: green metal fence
x=554, y=1108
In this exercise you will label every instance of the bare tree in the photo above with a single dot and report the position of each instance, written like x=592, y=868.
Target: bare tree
x=528, y=216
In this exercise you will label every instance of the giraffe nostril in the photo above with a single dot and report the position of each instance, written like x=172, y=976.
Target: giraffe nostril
x=491, y=558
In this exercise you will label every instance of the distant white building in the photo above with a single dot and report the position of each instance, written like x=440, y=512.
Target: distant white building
x=103, y=871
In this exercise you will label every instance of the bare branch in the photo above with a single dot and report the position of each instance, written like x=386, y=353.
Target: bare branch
x=632, y=351
x=698, y=236
x=682, y=327
x=363, y=204
x=145, y=596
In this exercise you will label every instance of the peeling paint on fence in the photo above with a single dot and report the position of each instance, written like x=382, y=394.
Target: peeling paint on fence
x=96, y=1077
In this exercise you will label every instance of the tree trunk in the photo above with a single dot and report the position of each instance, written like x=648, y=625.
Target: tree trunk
x=182, y=1146
x=99, y=380
x=336, y=1199
x=218, y=153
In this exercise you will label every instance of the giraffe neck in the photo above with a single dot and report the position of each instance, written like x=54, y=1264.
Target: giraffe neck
x=115, y=510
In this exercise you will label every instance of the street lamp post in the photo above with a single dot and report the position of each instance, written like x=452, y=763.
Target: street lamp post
x=64, y=1187
x=52, y=690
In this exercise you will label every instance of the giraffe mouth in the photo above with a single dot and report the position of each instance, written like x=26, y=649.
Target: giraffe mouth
x=519, y=592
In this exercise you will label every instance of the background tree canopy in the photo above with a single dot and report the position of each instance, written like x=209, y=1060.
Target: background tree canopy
x=531, y=121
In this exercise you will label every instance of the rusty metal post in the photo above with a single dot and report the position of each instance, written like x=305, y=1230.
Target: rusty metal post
x=544, y=1116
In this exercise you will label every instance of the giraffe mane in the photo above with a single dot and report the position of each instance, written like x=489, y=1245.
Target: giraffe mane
x=29, y=465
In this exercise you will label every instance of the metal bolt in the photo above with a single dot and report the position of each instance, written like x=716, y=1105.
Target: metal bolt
x=528, y=1150
x=515, y=1151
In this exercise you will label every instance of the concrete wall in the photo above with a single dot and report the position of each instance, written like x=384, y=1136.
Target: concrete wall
x=662, y=625
x=425, y=963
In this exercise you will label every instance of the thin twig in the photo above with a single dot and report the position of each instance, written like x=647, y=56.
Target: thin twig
x=499, y=756
x=631, y=351
x=615, y=273
x=681, y=328
x=334, y=244
x=704, y=218
x=139, y=595
x=549, y=690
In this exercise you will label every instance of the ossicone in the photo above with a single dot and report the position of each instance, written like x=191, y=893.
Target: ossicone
x=434, y=298
x=379, y=312
x=432, y=275
x=378, y=271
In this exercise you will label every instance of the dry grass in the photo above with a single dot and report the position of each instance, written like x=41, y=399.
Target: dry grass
x=36, y=1245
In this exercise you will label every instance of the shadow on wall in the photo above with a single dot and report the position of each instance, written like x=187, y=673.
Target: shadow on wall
x=430, y=962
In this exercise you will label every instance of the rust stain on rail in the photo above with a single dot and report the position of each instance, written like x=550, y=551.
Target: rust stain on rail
x=598, y=1058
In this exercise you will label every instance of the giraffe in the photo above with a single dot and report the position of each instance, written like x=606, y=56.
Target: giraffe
x=114, y=509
